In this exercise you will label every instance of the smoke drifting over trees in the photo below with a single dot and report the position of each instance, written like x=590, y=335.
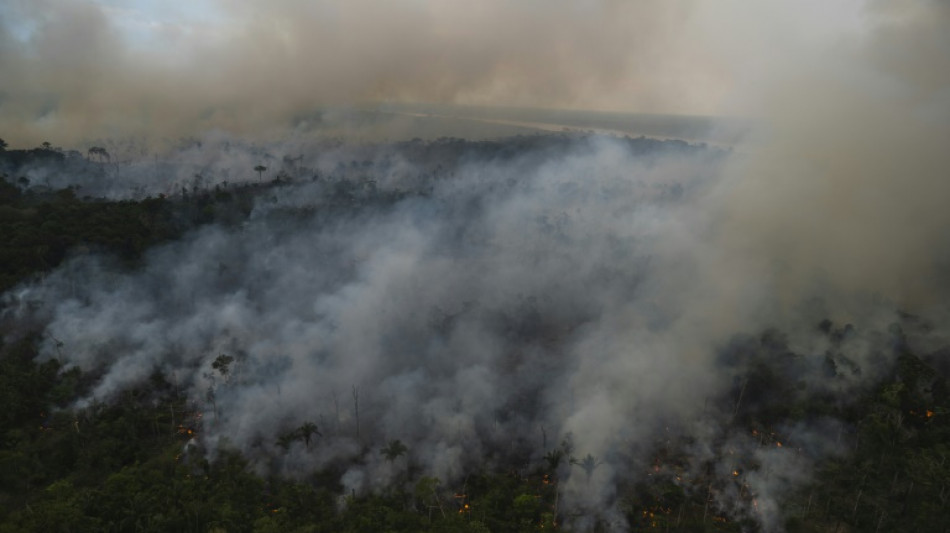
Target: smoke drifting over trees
x=606, y=306
x=479, y=302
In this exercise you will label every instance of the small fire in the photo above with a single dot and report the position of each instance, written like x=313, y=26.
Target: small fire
x=929, y=413
x=735, y=472
x=779, y=444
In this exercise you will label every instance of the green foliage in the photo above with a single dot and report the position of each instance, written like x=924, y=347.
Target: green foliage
x=40, y=230
x=124, y=466
x=306, y=432
x=896, y=477
x=222, y=364
x=393, y=450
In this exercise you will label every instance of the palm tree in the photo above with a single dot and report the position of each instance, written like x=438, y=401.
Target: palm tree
x=588, y=463
x=306, y=431
x=554, y=458
x=260, y=171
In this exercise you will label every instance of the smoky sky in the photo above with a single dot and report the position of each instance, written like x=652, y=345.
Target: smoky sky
x=80, y=70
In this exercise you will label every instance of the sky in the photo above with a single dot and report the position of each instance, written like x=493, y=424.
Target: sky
x=855, y=95
x=76, y=70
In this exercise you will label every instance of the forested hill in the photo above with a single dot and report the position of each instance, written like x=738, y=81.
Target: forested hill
x=875, y=440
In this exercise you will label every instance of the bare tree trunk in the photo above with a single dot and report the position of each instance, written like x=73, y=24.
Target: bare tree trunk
x=741, y=393
x=438, y=501
x=879, y=521
x=907, y=497
x=336, y=408
x=706, y=505
x=356, y=413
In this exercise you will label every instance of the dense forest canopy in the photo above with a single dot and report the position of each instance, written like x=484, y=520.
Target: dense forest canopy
x=445, y=335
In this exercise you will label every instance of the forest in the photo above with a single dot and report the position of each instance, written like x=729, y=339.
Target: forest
x=119, y=417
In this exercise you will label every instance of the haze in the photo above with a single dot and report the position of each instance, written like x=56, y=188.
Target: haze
x=77, y=70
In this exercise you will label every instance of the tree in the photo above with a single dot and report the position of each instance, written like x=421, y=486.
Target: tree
x=306, y=432
x=222, y=364
x=3, y=145
x=588, y=464
x=101, y=153
x=392, y=451
x=284, y=440
x=554, y=459
x=356, y=410
x=260, y=171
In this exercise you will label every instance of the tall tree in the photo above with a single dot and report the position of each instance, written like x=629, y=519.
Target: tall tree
x=307, y=431
x=589, y=463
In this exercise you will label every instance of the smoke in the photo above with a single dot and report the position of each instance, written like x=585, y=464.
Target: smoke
x=531, y=291
x=510, y=297
x=479, y=306
x=844, y=189
x=79, y=70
